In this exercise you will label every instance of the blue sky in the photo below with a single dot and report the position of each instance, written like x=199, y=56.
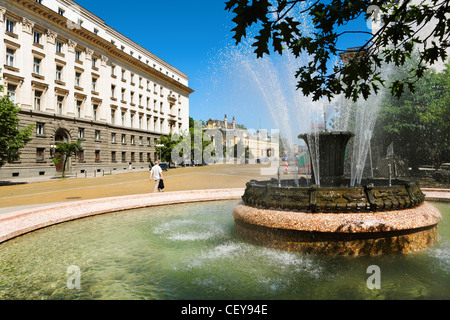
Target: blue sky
x=193, y=36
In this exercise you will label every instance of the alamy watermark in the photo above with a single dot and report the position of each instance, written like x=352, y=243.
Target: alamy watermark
x=228, y=147
x=74, y=279
x=374, y=280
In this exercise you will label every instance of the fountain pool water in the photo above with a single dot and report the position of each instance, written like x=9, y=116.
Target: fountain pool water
x=190, y=251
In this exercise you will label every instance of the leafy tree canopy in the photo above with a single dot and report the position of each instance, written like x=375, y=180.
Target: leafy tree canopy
x=394, y=42
x=418, y=123
x=12, y=139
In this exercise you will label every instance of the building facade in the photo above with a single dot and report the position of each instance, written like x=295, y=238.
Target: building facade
x=259, y=146
x=75, y=77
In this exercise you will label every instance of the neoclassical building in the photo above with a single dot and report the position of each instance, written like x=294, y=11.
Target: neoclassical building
x=258, y=143
x=74, y=77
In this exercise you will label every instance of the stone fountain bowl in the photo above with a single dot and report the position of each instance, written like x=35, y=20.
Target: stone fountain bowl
x=374, y=196
x=373, y=219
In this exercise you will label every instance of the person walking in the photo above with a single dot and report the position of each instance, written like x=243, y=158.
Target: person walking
x=156, y=175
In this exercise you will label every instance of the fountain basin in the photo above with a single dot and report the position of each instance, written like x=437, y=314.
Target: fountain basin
x=370, y=233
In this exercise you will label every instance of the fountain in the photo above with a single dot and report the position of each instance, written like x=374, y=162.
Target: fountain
x=379, y=217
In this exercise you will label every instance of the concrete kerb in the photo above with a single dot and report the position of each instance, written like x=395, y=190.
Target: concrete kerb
x=18, y=223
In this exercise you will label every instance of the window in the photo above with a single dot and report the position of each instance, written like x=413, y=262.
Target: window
x=94, y=62
x=40, y=154
x=113, y=156
x=123, y=118
x=96, y=31
x=79, y=104
x=77, y=55
x=94, y=84
x=94, y=112
x=113, y=138
x=124, y=157
x=113, y=116
x=113, y=70
x=59, y=104
x=80, y=156
x=97, y=135
x=113, y=91
x=97, y=155
x=10, y=26
x=132, y=140
x=37, y=100
x=11, y=91
x=80, y=133
x=124, y=139
x=37, y=65
x=123, y=95
x=10, y=56
x=61, y=11
x=78, y=79
x=141, y=141
x=59, y=73
x=59, y=47
x=40, y=129
x=37, y=37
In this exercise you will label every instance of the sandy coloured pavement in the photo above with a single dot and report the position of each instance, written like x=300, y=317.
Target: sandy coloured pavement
x=33, y=194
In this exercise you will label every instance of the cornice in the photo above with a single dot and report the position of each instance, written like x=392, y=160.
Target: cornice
x=79, y=32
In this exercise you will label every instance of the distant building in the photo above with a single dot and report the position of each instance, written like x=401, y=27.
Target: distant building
x=74, y=76
x=423, y=32
x=258, y=144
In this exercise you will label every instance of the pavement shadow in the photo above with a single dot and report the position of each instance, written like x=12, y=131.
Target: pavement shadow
x=11, y=183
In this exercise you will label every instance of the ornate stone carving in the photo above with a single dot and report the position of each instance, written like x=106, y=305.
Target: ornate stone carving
x=27, y=26
x=2, y=14
x=337, y=200
x=89, y=53
x=71, y=45
x=104, y=60
x=51, y=36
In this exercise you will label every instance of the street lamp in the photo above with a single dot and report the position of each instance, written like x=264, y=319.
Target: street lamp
x=159, y=146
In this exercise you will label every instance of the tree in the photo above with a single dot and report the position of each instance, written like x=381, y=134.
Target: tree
x=168, y=142
x=65, y=151
x=418, y=122
x=398, y=37
x=184, y=142
x=12, y=139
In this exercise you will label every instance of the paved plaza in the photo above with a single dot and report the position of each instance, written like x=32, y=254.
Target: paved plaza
x=35, y=193
x=24, y=194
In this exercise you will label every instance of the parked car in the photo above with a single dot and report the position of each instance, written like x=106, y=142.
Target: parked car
x=164, y=166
